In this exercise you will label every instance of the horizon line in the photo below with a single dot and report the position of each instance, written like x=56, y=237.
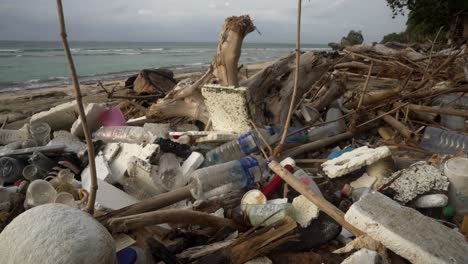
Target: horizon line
x=123, y=41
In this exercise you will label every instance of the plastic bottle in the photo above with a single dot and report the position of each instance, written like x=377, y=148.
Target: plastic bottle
x=124, y=134
x=258, y=214
x=8, y=136
x=453, y=101
x=305, y=178
x=170, y=171
x=232, y=175
x=238, y=148
x=10, y=170
x=442, y=141
x=330, y=129
x=456, y=169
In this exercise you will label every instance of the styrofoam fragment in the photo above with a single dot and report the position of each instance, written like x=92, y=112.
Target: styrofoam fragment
x=92, y=113
x=405, y=231
x=363, y=256
x=364, y=181
x=353, y=160
x=228, y=108
x=304, y=211
x=119, y=154
x=431, y=201
x=417, y=179
x=60, y=117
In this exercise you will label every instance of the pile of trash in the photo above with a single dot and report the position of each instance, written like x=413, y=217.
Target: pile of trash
x=374, y=168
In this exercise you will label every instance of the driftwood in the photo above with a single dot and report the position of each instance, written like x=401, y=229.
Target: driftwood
x=253, y=244
x=270, y=90
x=229, y=49
x=185, y=100
x=175, y=216
x=400, y=127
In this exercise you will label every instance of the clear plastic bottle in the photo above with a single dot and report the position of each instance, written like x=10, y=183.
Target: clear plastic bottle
x=170, y=172
x=330, y=129
x=238, y=148
x=452, y=101
x=259, y=213
x=442, y=141
x=8, y=136
x=307, y=180
x=232, y=175
x=123, y=134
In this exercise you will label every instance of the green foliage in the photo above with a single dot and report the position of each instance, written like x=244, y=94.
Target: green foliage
x=401, y=37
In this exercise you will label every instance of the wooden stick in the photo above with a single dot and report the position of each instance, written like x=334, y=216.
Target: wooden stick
x=382, y=115
x=178, y=216
x=320, y=202
x=443, y=111
x=317, y=144
x=296, y=81
x=400, y=127
x=151, y=204
x=78, y=97
x=366, y=84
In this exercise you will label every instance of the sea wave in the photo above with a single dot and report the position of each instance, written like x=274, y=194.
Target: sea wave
x=9, y=50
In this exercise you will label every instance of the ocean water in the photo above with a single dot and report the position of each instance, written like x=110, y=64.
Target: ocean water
x=29, y=65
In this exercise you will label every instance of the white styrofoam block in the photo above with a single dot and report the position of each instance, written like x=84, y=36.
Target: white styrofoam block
x=417, y=179
x=304, y=211
x=60, y=117
x=119, y=154
x=431, y=201
x=92, y=113
x=103, y=170
x=228, y=108
x=108, y=197
x=405, y=231
x=363, y=256
x=139, y=182
x=71, y=142
x=364, y=181
x=353, y=160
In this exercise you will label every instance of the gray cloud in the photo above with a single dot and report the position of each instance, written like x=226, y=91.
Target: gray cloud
x=189, y=20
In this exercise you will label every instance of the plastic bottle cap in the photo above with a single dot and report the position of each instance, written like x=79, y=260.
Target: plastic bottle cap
x=127, y=256
x=253, y=197
x=448, y=211
x=288, y=161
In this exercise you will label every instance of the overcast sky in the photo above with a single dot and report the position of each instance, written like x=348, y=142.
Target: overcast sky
x=194, y=20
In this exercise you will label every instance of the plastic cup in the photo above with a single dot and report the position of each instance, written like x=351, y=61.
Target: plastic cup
x=39, y=192
x=113, y=117
x=65, y=198
x=31, y=173
x=40, y=132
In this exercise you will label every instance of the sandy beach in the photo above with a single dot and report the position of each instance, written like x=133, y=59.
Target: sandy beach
x=16, y=107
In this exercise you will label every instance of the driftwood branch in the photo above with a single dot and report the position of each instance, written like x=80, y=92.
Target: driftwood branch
x=174, y=216
x=76, y=86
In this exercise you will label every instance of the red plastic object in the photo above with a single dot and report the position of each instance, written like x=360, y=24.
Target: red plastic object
x=275, y=183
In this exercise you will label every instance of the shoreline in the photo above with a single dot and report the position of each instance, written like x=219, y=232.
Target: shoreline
x=17, y=106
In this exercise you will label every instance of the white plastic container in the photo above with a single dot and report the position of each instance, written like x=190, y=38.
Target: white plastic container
x=456, y=169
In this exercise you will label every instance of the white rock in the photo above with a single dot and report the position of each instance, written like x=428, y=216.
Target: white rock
x=119, y=154
x=431, y=201
x=419, y=178
x=304, y=211
x=363, y=256
x=354, y=160
x=107, y=196
x=228, y=108
x=60, y=117
x=405, y=231
x=92, y=113
x=56, y=233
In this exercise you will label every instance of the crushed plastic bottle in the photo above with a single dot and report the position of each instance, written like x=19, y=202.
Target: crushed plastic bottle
x=266, y=214
x=442, y=141
x=226, y=177
x=123, y=134
x=170, y=171
x=330, y=129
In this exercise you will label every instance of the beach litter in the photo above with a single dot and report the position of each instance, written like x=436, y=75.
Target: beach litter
x=186, y=169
